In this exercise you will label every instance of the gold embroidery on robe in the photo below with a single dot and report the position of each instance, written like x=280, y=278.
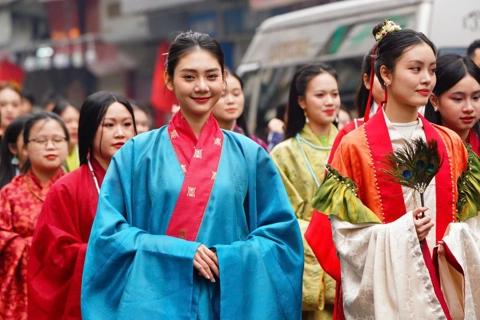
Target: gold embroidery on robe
x=198, y=153
x=191, y=192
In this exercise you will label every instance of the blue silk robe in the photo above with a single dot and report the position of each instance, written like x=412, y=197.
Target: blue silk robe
x=134, y=271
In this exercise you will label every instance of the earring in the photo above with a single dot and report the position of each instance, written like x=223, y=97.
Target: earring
x=387, y=84
x=435, y=109
x=306, y=115
x=14, y=161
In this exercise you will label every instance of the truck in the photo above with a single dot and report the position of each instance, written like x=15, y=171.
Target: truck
x=340, y=34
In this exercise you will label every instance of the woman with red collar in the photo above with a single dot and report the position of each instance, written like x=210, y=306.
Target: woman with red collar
x=45, y=138
x=61, y=237
x=455, y=100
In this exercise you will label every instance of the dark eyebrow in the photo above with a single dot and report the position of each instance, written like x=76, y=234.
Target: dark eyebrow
x=126, y=118
x=462, y=92
x=194, y=70
x=421, y=62
x=325, y=90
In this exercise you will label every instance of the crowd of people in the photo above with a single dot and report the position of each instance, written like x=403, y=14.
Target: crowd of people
x=103, y=218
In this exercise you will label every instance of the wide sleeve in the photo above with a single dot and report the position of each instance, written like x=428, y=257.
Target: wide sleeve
x=281, y=161
x=318, y=288
x=460, y=266
x=337, y=195
x=57, y=255
x=124, y=262
x=13, y=261
x=266, y=268
x=384, y=263
x=468, y=204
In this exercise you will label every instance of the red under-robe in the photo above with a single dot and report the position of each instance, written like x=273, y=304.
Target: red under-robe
x=59, y=245
x=474, y=141
x=20, y=203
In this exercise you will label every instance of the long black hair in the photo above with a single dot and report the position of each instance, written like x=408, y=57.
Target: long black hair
x=10, y=137
x=451, y=68
x=92, y=113
x=34, y=118
x=295, y=116
x=361, y=97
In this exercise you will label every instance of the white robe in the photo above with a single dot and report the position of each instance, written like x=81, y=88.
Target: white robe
x=387, y=258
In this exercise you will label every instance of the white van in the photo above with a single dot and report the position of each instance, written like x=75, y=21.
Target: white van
x=340, y=34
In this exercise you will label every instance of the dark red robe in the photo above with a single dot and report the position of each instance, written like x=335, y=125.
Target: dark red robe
x=20, y=203
x=59, y=245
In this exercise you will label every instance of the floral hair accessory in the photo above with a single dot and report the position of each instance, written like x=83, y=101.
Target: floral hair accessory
x=388, y=26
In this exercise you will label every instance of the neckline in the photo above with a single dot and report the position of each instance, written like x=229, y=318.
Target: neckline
x=29, y=187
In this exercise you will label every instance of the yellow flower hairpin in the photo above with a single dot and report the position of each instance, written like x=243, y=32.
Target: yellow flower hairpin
x=388, y=26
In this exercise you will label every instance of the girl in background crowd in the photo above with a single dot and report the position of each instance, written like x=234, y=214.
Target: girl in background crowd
x=343, y=118
x=51, y=99
x=370, y=93
x=46, y=139
x=276, y=127
x=61, y=236
x=12, y=152
x=143, y=120
x=380, y=226
x=455, y=101
x=10, y=105
x=28, y=103
x=313, y=105
x=369, y=96
x=229, y=109
x=69, y=115
x=168, y=242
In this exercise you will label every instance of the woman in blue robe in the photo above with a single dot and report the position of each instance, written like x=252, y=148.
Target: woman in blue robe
x=193, y=222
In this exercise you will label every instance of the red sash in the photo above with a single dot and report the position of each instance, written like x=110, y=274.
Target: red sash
x=199, y=159
x=391, y=196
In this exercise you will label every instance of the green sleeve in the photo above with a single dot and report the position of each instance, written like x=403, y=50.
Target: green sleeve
x=468, y=204
x=337, y=196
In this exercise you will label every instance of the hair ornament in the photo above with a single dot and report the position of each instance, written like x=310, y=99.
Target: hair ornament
x=388, y=26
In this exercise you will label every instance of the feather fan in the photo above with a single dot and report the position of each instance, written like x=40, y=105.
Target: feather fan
x=414, y=165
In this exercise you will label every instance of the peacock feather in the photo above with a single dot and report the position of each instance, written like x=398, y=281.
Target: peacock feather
x=414, y=165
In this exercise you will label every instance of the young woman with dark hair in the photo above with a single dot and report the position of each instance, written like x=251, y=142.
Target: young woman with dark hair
x=45, y=138
x=10, y=105
x=12, y=152
x=383, y=234
x=143, y=118
x=229, y=109
x=367, y=99
x=455, y=101
x=367, y=93
x=313, y=105
x=61, y=237
x=69, y=115
x=193, y=221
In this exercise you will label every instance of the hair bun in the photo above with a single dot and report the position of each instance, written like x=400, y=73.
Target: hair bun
x=377, y=28
x=388, y=26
